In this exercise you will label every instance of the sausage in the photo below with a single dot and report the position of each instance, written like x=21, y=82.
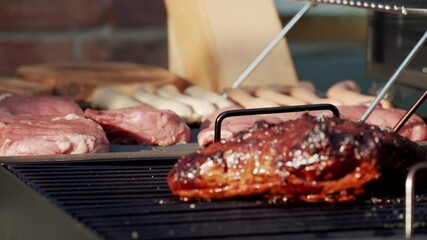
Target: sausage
x=248, y=101
x=153, y=100
x=199, y=106
x=305, y=91
x=209, y=96
x=349, y=93
x=128, y=88
x=108, y=98
x=273, y=95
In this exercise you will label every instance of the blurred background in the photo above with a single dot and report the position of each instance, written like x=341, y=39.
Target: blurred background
x=327, y=45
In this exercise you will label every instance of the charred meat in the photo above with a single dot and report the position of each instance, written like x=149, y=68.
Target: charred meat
x=313, y=159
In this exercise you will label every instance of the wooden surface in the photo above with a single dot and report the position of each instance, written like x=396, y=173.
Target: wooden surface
x=80, y=80
x=211, y=42
x=22, y=87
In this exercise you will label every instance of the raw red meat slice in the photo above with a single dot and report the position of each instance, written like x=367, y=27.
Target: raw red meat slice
x=38, y=105
x=415, y=129
x=143, y=125
x=26, y=135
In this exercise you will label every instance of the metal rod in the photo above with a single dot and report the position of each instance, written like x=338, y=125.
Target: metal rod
x=411, y=111
x=270, y=46
x=393, y=78
x=271, y=110
x=409, y=199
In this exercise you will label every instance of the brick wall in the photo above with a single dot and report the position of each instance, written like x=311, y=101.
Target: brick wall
x=38, y=31
x=81, y=30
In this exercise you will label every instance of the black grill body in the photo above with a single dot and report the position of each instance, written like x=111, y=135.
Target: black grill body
x=130, y=199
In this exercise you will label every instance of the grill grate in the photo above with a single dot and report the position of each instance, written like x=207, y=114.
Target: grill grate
x=130, y=199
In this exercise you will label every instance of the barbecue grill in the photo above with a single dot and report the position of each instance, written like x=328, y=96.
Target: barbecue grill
x=124, y=195
x=129, y=199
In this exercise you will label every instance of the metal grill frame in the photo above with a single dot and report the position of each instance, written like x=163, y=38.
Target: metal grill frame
x=268, y=215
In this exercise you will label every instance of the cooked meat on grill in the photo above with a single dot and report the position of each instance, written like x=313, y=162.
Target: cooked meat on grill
x=142, y=124
x=38, y=105
x=26, y=135
x=311, y=159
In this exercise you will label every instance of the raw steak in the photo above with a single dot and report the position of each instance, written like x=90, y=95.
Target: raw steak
x=38, y=105
x=26, y=135
x=143, y=125
x=233, y=125
x=415, y=129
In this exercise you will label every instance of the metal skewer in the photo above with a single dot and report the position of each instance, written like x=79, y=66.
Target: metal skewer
x=393, y=78
x=270, y=46
x=411, y=111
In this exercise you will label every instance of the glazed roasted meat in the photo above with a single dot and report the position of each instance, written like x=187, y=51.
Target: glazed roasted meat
x=313, y=159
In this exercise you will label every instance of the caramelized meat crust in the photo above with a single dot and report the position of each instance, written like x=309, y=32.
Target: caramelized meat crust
x=308, y=159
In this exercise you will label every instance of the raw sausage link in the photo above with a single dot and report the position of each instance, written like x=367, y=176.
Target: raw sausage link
x=209, y=96
x=349, y=93
x=305, y=91
x=181, y=109
x=248, y=101
x=282, y=99
x=200, y=107
x=108, y=98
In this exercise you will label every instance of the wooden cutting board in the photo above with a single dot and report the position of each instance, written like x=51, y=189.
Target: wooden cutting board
x=79, y=80
x=211, y=42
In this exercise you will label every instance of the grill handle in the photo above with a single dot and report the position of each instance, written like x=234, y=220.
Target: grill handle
x=271, y=110
x=409, y=199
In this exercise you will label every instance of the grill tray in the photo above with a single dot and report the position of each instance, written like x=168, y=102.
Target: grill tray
x=130, y=199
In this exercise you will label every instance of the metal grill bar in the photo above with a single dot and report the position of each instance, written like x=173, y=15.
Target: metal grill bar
x=403, y=7
x=123, y=201
x=90, y=203
x=82, y=175
x=241, y=214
